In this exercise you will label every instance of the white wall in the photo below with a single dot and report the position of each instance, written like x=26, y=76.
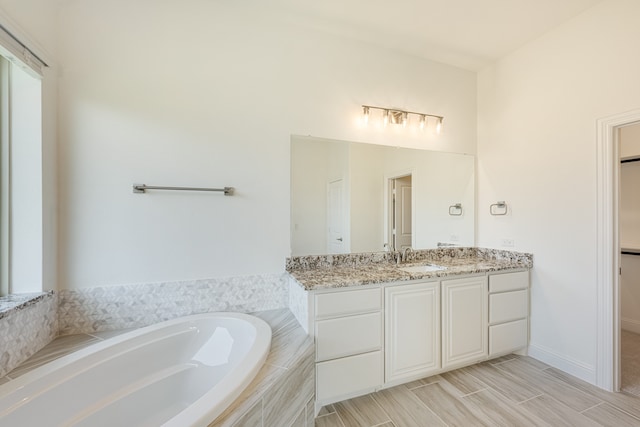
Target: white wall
x=537, y=148
x=208, y=93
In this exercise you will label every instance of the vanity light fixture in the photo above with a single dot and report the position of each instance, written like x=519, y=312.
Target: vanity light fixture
x=395, y=116
x=365, y=114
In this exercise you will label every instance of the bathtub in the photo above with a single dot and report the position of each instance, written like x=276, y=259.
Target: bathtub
x=178, y=373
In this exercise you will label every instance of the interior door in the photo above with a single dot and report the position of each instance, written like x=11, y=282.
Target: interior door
x=335, y=218
x=402, y=212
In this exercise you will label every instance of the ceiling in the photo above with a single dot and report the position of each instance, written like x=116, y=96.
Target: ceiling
x=468, y=34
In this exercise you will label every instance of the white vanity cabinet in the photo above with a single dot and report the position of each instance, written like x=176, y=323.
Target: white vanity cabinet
x=508, y=312
x=379, y=336
x=412, y=331
x=464, y=321
x=348, y=334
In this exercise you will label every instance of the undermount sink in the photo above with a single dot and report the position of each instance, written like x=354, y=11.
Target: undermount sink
x=423, y=268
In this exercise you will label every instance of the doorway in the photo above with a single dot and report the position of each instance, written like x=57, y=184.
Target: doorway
x=400, y=205
x=608, y=342
x=629, y=283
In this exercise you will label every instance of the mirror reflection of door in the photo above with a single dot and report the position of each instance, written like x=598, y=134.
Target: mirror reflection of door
x=335, y=218
x=400, y=212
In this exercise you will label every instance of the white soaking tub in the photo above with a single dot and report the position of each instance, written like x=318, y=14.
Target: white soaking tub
x=178, y=373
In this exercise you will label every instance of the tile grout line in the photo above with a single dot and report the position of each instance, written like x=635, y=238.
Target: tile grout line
x=531, y=398
x=576, y=389
x=472, y=393
x=621, y=410
x=590, y=408
x=382, y=409
x=339, y=419
x=427, y=406
x=423, y=385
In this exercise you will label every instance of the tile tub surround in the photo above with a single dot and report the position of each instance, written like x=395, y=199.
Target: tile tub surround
x=336, y=271
x=281, y=394
x=27, y=323
x=133, y=306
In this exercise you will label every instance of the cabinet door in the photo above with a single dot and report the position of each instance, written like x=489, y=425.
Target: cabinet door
x=412, y=330
x=464, y=321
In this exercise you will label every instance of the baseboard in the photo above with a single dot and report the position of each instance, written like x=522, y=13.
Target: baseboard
x=630, y=325
x=567, y=364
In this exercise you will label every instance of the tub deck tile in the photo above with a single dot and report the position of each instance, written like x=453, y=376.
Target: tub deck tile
x=291, y=392
x=59, y=347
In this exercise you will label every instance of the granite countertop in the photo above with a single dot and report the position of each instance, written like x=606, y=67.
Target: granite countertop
x=314, y=273
x=15, y=302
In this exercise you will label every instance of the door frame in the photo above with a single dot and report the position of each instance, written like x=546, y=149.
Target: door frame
x=386, y=217
x=608, y=248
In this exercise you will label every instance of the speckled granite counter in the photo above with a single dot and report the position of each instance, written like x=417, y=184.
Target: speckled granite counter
x=15, y=302
x=338, y=271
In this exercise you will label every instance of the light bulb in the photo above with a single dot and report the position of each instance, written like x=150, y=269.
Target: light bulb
x=365, y=115
x=405, y=118
x=422, y=122
x=385, y=117
x=439, y=126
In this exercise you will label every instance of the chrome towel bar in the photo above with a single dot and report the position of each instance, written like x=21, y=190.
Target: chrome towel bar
x=141, y=188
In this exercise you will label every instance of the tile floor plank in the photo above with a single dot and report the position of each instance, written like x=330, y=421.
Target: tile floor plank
x=509, y=386
x=405, y=409
x=496, y=410
x=610, y=416
x=630, y=362
x=626, y=402
x=330, y=420
x=536, y=364
x=326, y=410
x=423, y=381
x=570, y=396
x=361, y=411
x=463, y=382
x=447, y=406
x=555, y=413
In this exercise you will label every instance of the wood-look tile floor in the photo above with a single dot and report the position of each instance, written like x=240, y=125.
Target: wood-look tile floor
x=630, y=362
x=510, y=391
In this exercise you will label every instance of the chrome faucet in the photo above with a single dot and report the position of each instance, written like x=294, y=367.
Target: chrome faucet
x=405, y=253
x=397, y=255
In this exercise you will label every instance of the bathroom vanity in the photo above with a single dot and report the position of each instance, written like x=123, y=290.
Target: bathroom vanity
x=377, y=324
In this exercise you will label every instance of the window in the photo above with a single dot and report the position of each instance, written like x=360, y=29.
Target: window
x=21, y=255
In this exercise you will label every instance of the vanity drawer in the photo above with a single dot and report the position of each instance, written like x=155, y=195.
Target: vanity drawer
x=338, y=379
x=508, y=337
x=335, y=304
x=508, y=281
x=508, y=306
x=346, y=336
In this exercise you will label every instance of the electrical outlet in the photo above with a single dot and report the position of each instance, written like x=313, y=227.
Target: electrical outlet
x=454, y=237
x=508, y=243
